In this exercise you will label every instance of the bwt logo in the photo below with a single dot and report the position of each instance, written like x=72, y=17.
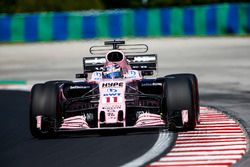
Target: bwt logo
x=112, y=84
x=111, y=94
x=111, y=90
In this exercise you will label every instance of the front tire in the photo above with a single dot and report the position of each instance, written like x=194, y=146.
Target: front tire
x=45, y=104
x=180, y=97
x=195, y=89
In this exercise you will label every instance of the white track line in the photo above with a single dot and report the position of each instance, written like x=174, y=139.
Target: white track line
x=208, y=141
x=215, y=130
x=201, y=157
x=194, y=163
x=216, y=122
x=214, y=135
x=211, y=137
x=162, y=143
x=225, y=143
x=211, y=148
x=222, y=125
x=222, y=152
x=218, y=128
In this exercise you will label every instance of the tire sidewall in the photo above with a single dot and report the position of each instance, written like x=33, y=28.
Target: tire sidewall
x=180, y=95
x=45, y=102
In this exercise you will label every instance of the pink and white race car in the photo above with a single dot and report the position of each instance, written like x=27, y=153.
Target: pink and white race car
x=114, y=93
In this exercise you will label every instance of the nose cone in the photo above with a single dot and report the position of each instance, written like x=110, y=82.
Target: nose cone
x=112, y=102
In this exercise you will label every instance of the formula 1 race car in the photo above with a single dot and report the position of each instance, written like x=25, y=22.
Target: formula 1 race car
x=114, y=93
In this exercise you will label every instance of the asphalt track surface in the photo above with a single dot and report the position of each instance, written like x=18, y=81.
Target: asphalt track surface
x=19, y=148
x=221, y=64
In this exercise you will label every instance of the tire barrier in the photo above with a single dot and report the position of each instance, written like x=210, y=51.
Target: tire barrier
x=217, y=141
x=218, y=19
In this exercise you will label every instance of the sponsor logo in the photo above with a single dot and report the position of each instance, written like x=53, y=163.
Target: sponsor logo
x=110, y=114
x=79, y=87
x=112, y=107
x=88, y=116
x=112, y=84
x=144, y=59
x=98, y=68
x=112, y=92
x=95, y=61
x=151, y=84
x=98, y=74
x=131, y=73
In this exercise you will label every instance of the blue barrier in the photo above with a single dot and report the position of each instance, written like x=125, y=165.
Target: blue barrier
x=216, y=19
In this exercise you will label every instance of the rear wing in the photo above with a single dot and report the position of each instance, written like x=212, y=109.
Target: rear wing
x=146, y=63
x=125, y=48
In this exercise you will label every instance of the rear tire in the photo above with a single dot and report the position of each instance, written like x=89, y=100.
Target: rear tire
x=45, y=103
x=179, y=96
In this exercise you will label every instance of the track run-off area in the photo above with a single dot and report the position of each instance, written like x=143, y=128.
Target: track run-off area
x=221, y=139
x=218, y=140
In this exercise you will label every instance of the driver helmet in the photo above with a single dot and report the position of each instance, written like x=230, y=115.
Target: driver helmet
x=112, y=71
